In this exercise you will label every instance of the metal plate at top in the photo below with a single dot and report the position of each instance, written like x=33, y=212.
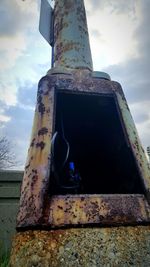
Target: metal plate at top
x=46, y=21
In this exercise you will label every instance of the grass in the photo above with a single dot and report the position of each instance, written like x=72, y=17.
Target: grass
x=4, y=260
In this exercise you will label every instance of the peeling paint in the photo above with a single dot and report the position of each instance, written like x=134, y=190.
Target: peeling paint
x=36, y=174
x=35, y=203
x=101, y=242
x=35, y=199
x=43, y=131
x=71, y=40
x=143, y=165
x=98, y=209
x=40, y=145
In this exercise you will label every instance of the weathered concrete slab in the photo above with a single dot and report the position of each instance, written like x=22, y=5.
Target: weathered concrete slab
x=88, y=247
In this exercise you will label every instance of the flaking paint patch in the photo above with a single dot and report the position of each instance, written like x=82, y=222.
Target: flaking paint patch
x=34, y=191
x=101, y=210
x=133, y=137
x=35, y=182
x=71, y=50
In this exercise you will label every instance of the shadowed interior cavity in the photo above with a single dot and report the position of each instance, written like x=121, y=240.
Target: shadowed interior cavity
x=98, y=146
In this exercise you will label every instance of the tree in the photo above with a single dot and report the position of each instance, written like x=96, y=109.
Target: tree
x=7, y=156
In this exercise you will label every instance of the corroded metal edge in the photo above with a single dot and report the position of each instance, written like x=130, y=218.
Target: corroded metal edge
x=36, y=174
x=133, y=137
x=34, y=202
x=34, y=188
x=101, y=75
x=98, y=209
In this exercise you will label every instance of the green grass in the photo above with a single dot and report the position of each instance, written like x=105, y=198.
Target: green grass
x=4, y=260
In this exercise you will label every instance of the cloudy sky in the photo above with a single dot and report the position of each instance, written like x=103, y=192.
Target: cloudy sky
x=120, y=39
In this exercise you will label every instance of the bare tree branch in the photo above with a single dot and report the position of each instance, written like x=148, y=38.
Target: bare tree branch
x=7, y=156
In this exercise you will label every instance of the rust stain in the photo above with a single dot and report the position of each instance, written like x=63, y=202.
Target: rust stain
x=114, y=246
x=40, y=145
x=133, y=137
x=43, y=131
x=98, y=209
x=71, y=51
x=34, y=193
x=36, y=175
x=38, y=208
x=33, y=142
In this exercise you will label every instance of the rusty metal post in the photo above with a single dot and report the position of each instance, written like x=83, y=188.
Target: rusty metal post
x=60, y=244
x=71, y=38
x=72, y=53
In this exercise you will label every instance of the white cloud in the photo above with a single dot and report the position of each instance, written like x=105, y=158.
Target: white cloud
x=115, y=6
x=20, y=46
x=133, y=74
x=114, y=41
x=11, y=49
x=4, y=118
x=8, y=93
x=17, y=16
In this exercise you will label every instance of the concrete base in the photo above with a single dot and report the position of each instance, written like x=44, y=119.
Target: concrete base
x=88, y=247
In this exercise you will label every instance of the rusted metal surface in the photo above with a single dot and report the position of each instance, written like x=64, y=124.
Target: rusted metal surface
x=36, y=175
x=37, y=169
x=111, y=246
x=35, y=204
x=71, y=39
x=98, y=209
x=84, y=247
x=143, y=165
x=81, y=81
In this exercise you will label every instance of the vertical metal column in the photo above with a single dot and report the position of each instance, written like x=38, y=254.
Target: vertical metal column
x=71, y=39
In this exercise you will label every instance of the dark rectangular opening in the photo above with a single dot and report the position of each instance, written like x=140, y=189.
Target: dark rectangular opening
x=104, y=163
